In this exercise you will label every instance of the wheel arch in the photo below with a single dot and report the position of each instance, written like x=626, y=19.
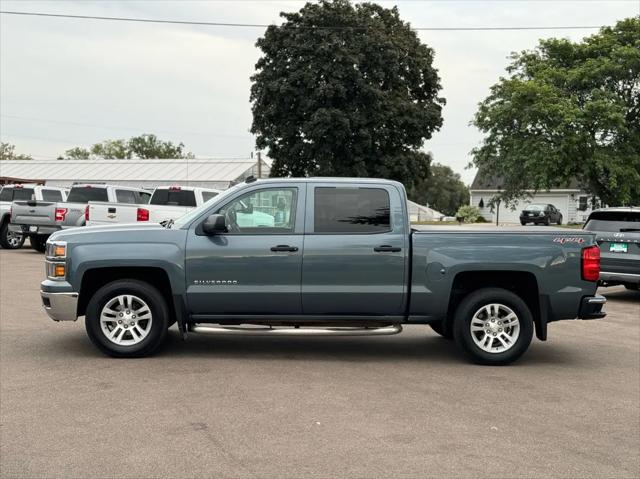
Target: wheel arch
x=522, y=283
x=95, y=278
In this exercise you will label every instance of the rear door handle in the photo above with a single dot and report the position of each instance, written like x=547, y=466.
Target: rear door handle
x=284, y=247
x=386, y=248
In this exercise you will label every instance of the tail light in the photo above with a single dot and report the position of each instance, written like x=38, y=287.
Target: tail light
x=60, y=214
x=86, y=213
x=142, y=215
x=591, y=263
x=175, y=188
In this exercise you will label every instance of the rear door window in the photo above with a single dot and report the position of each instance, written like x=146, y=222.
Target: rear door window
x=614, y=221
x=351, y=210
x=51, y=195
x=6, y=194
x=173, y=197
x=84, y=194
x=207, y=195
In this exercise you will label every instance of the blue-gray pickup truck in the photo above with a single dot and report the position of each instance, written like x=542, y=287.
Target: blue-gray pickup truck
x=318, y=256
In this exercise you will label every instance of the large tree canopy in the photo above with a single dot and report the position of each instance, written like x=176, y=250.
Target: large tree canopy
x=345, y=90
x=442, y=190
x=568, y=110
x=143, y=146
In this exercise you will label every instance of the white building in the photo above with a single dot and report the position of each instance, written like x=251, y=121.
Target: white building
x=419, y=212
x=210, y=173
x=573, y=202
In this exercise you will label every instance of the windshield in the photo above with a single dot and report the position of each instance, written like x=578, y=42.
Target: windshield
x=84, y=194
x=186, y=219
x=613, y=221
x=535, y=207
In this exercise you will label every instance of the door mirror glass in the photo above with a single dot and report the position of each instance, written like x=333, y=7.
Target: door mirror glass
x=214, y=224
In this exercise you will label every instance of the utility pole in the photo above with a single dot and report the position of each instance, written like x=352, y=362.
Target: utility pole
x=259, y=165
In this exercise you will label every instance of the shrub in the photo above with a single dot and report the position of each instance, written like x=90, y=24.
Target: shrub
x=468, y=214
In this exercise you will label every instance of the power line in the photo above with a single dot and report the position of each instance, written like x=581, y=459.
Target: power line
x=264, y=25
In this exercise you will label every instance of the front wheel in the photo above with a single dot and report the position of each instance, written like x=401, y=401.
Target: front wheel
x=9, y=239
x=493, y=326
x=559, y=220
x=127, y=318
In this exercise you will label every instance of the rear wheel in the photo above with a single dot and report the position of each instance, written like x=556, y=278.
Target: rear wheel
x=127, y=318
x=632, y=287
x=9, y=239
x=493, y=326
x=523, y=223
x=559, y=220
x=38, y=242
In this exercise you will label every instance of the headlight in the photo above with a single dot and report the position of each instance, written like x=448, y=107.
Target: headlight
x=56, y=250
x=56, y=270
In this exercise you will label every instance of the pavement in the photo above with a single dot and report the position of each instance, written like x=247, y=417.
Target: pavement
x=398, y=406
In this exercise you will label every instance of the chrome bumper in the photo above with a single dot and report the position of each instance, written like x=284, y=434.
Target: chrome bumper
x=60, y=306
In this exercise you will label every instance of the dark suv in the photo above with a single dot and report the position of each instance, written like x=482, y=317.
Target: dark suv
x=538, y=213
x=618, y=235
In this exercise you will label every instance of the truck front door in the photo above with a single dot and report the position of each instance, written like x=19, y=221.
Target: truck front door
x=355, y=252
x=255, y=268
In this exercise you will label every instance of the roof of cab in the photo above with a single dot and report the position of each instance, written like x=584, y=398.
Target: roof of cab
x=320, y=179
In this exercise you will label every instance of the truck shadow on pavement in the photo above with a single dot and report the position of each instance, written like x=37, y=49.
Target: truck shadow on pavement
x=411, y=348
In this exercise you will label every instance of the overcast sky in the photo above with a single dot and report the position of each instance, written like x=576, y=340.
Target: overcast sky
x=66, y=83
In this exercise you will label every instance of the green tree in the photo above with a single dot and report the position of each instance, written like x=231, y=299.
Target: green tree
x=345, y=90
x=7, y=152
x=568, y=110
x=442, y=190
x=143, y=146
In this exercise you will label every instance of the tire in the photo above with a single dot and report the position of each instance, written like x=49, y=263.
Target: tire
x=523, y=223
x=547, y=221
x=472, y=308
x=150, y=328
x=9, y=240
x=632, y=287
x=560, y=220
x=438, y=328
x=38, y=242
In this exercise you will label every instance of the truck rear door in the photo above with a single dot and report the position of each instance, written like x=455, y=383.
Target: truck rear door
x=355, y=250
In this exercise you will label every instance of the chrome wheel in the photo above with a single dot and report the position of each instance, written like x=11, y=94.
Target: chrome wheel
x=125, y=320
x=14, y=240
x=495, y=328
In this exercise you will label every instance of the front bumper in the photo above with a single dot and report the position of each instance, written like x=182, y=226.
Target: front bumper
x=33, y=229
x=591, y=307
x=60, y=306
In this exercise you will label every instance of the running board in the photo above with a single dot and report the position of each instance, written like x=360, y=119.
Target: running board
x=289, y=331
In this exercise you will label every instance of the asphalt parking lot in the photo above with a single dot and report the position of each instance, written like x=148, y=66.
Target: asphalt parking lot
x=397, y=406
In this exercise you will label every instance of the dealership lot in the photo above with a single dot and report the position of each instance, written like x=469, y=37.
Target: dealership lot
x=402, y=406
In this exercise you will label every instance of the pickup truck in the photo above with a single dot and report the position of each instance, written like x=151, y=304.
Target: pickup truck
x=39, y=219
x=337, y=257
x=26, y=192
x=166, y=203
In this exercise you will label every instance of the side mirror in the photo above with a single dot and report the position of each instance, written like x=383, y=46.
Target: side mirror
x=214, y=224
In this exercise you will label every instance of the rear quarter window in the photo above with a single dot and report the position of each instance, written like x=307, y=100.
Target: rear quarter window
x=22, y=194
x=351, y=210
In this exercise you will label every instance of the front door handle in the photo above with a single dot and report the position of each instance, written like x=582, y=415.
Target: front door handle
x=284, y=247
x=386, y=248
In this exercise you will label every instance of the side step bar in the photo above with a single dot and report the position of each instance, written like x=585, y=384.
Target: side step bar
x=289, y=331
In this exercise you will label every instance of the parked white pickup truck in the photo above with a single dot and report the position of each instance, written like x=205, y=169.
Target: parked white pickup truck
x=26, y=192
x=167, y=203
x=39, y=219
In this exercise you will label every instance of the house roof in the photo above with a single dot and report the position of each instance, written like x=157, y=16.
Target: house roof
x=178, y=170
x=484, y=181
